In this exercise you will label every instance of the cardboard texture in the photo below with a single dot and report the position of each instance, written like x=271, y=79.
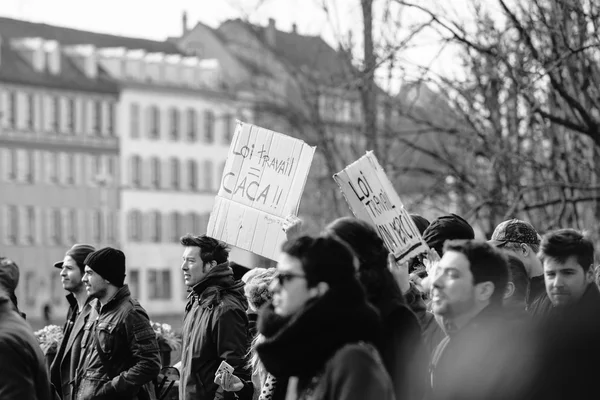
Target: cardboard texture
x=372, y=198
x=262, y=183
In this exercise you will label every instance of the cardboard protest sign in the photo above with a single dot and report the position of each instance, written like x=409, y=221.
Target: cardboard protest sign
x=262, y=183
x=372, y=198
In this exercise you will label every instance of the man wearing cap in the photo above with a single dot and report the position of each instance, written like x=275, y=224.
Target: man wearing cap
x=520, y=238
x=62, y=370
x=120, y=354
x=23, y=372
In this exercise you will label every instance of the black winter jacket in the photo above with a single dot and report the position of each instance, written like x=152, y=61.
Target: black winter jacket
x=23, y=372
x=215, y=329
x=121, y=331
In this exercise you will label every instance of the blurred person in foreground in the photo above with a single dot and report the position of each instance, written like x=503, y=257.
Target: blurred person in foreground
x=480, y=356
x=120, y=355
x=23, y=371
x=320, y=331
x=215, y=324
x=64, y=367
x=402, y=349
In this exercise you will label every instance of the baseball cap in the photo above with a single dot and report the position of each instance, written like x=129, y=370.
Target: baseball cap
x=514, y=231
x=78, y=252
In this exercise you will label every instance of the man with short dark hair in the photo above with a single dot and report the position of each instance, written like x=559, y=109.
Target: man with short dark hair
x=120, y=354
x=568, y=258
x=468, y=292
x=517, y=289
x=215, y=324
x=521, y=239
x=64, y=367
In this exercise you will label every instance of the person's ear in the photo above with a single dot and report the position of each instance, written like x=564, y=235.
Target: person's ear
x=589, y=275
x=525, y=249
x=484, y=291
x=319, y=289
x=510, y=290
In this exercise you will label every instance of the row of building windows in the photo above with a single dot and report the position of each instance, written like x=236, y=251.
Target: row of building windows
x=31, y=225
x=56, y=167
x=158, y=284
x=180, y=125
x=57, y=114
x=155, y=173
x=157, y=227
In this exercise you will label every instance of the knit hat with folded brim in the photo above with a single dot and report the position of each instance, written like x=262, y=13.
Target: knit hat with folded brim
x=109, y=263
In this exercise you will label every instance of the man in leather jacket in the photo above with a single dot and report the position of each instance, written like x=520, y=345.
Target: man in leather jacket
x=120, y=354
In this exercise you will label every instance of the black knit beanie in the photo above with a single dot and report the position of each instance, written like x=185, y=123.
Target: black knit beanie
x=109, y=263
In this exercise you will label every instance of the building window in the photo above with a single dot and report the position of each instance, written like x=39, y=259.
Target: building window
x=227, y=128
x=209, y=126
x=71, y=168
x=98, y=226
x=155, y=172
x=30, y=235
x=57, y=222
x=175, y=174
x=202, y=222
x=208, y=175
x=111, y=119
x=136, y=171
x=159, y=284
x=12, y=229
x=134, y=114
x=31, y=111
x=53, y=166
x=71, y=115
x=29, y=166
x=156, y=229
x=97, y=118
x=174, y=114
x=154, y=132
x=193, y=175
x=111, y=227
x=192, y=125
x=56, y=114
x=134, y=226
x=31, y=289
x=12, y=109
x=74, y=224
x=175, y=227
x=133, y=281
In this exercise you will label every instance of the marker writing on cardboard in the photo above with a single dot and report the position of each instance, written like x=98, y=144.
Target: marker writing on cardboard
x=375, y=203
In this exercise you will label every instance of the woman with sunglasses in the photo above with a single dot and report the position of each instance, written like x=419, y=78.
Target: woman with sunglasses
x=319, y=330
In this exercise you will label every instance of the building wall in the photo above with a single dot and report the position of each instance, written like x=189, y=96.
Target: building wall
x=157, y=209
x=54, y=144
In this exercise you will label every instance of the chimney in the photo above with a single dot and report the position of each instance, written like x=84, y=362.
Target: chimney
x=270, y=33
x=294, y=28
x=184, y=23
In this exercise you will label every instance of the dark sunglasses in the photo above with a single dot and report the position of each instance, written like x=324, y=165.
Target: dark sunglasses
x=283, y=277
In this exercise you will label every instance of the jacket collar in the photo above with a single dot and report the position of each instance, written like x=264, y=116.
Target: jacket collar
x=220, y=275
x=301, y=345
x=117, y=298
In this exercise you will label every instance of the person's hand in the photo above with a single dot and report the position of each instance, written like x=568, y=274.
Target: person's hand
x=400, y=273
x=291, y=226
x=229, y=382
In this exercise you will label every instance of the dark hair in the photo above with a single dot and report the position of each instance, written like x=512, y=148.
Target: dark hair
x=487, y=264
x=421, y=222
x=518, y=276
x=372, y=255
x=210, y=249
x=324, y=259
x=564, y=243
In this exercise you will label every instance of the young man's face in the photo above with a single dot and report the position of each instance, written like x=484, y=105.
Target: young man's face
x=71, y=275
x=95, y=284
x=453, y=289
x=565, y=282
x=194, y=269
x=290, y=289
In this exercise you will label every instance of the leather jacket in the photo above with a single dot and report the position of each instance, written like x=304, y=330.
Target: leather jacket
x=120, y=353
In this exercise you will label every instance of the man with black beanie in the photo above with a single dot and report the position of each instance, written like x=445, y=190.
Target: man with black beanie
x=120, y=354
x=64, y=367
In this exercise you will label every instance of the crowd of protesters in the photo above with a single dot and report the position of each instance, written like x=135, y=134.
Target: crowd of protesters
x=515, y=317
